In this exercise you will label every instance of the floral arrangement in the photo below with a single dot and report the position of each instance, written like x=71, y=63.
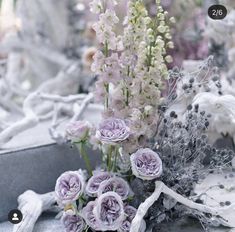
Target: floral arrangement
x=147, y=148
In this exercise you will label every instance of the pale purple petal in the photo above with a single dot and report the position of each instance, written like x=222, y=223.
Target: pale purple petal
x=146, y=164
x=109, y=211
x=89, y=217
x=113, y=130
x=73, y=223
x=95, y=181
x=78, y=131
x=115, y=184
x=69, y=186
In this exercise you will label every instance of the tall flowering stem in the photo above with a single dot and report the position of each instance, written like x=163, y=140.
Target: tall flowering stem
x=131, y=66
x=104, y=66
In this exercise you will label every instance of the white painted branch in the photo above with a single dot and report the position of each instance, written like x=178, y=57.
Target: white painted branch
x=83, y=107
x=58, y=98
x=32, y=205
x=143, y=208
x=30, y=120
x=62, y=84
x=226, y=215
x=9, y=84
x=38, y=49
x=191, y=204
x=86, y=99
x=55, y=135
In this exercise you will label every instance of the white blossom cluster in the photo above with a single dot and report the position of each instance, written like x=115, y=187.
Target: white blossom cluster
x=131, y=67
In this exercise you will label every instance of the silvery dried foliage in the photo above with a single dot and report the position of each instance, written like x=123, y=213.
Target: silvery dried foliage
x=186, y=153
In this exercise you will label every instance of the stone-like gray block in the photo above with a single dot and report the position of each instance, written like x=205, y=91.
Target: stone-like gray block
x=36, y=169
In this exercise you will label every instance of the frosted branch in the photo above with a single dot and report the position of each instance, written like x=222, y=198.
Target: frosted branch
x=225, y=214
x=83, y=107
x=143, y=208
x=60, y=137
x=32, y=205
x=58, y=98
x=61, y=84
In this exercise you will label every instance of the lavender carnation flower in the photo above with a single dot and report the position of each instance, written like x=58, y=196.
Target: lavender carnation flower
x=109, y=211
x=146, y=164
x=89, y=217
x=130, y=213
x=95, y=181
x=78, y=131
x=115, y=184
x=73, y=223
x=113, y=130
x=69, y=186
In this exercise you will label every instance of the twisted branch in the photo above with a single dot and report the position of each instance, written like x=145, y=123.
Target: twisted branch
x=223, y=214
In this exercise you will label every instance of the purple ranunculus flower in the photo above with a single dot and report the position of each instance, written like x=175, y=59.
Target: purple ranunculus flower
x=69, y=186
x=94, y=182
x=89, y=217
x=73, y=223
x=78, y=131
x=113, y=130
x=146, y=164
x=130, y=213
x=115, y=184
x=109, y=211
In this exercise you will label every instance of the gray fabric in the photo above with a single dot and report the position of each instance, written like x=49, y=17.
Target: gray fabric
x=36, y=169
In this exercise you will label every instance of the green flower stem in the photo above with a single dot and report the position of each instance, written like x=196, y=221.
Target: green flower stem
x=107, y=96
x=112, y=158
x=109, y=158
x=115, y=159
x=106, y=53
x=127, y=96
x=106, y=49
x=84, y=155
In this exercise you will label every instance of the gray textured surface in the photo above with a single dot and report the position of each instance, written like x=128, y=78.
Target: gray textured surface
x=36, y=169
x=48, y=223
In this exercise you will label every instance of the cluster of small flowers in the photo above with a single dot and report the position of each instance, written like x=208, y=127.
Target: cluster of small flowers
x=106, y=63
x=111, y=134
x=131, y=67
x=106, y=196
x=186, y=159
x=130, y=71
x=100, y=204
